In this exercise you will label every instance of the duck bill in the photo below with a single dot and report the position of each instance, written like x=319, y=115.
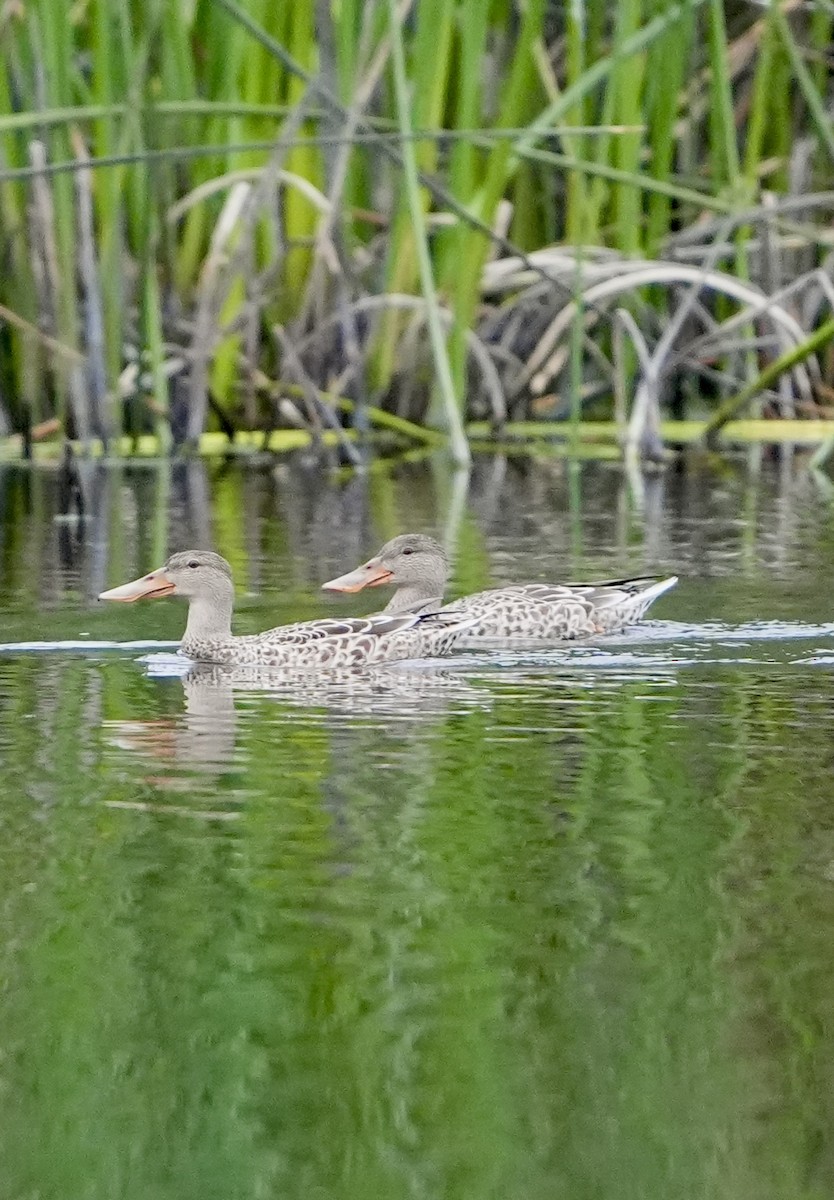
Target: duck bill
x=146, y=588
x=371, y=575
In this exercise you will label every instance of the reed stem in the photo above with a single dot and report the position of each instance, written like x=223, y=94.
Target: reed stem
x=459, y=446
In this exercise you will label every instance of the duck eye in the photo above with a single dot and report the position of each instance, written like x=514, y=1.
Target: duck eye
x=193, y=564
x=408, y=550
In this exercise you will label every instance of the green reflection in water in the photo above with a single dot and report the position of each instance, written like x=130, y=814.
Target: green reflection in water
x=492, y=933
x=567, y=937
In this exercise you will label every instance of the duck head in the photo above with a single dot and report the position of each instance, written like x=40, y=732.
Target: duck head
x=192, y=574
x=414, y=563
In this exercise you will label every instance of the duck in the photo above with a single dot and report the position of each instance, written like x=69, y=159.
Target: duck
x=418, y=567
x=204, y=579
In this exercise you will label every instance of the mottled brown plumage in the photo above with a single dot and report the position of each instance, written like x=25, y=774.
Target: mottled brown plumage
x=419, y=568
x=205, y=580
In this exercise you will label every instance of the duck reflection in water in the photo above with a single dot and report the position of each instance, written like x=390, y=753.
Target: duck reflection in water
x=202, y=739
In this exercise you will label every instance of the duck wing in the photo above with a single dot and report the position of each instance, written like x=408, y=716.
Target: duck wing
x=377, y=625
x=560, y=611
x=605, y=594
x=343, y=641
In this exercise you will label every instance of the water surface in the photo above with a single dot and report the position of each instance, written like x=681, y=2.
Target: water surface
x=523, y=923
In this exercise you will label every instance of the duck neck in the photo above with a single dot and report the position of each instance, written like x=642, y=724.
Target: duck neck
x=209, y=620
x=411, y=597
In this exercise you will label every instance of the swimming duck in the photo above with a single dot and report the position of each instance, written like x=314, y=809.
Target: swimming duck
x=205, y=581
x=418, y=565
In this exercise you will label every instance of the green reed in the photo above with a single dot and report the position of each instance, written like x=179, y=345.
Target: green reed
x=586, y=124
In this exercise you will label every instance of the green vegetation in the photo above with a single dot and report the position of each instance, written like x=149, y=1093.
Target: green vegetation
x=218, y=215
x=506, y=931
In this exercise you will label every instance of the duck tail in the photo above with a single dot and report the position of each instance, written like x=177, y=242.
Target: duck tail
x=656, y=587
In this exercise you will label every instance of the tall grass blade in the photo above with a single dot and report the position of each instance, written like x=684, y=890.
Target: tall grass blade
x=457, y=437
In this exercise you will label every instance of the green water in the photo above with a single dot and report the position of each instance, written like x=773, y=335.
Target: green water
x=528, y=925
